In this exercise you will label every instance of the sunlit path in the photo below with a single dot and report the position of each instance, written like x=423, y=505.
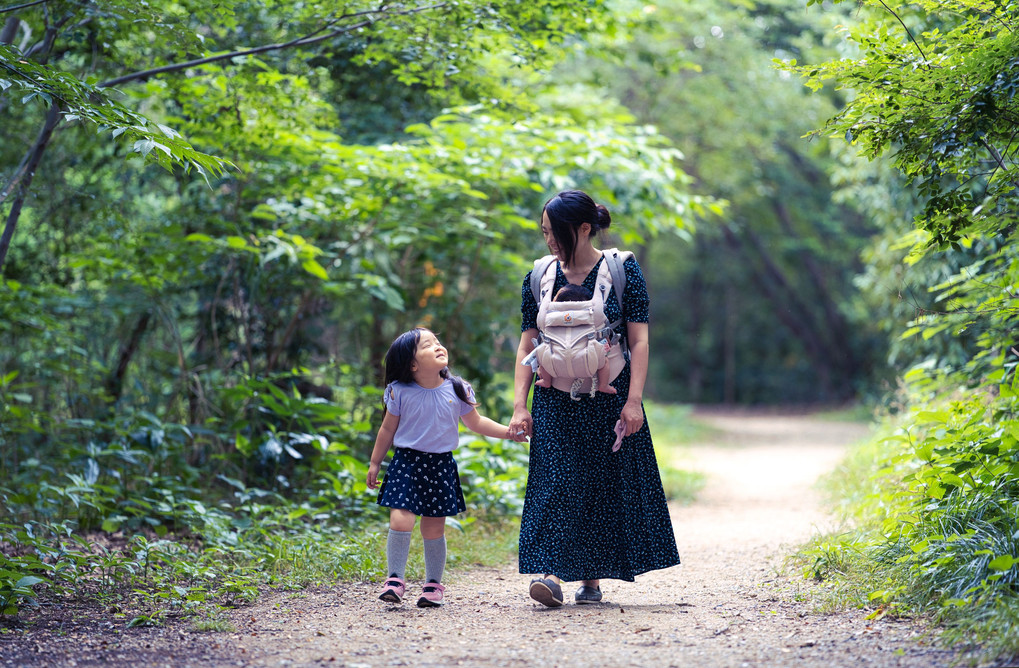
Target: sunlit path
x=731, y=603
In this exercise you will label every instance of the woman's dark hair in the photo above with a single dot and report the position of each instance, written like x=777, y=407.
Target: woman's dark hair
x=400, y=359
x=567, y=211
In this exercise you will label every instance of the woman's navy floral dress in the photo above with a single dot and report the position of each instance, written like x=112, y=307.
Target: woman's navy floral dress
x=590, y=513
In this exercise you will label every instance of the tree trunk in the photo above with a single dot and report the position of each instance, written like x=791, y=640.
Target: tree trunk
x=797, y=320
x=115, y=383
x=835, y=325
x=30, y=163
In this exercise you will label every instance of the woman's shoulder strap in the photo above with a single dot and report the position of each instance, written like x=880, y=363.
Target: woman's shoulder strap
x=541, y=266
x=614, y=259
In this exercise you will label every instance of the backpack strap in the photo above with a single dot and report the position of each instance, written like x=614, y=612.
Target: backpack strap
x=541, y=266
x=614, y=258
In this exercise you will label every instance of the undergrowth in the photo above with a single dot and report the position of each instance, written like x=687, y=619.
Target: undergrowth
x=931, y=520
x=147, y=547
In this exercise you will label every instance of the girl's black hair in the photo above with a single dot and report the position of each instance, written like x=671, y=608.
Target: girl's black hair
x=567, y=211
x=400, y=358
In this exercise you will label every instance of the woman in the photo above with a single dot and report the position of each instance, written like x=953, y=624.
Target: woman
x=590, y=513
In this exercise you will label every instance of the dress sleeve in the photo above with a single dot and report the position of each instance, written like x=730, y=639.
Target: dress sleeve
x=391, y=398
x=636, y=302
x=528, y=306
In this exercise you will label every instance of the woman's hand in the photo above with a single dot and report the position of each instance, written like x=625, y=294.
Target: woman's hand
x=632, y=416
x=520, y=424
x=373, y=475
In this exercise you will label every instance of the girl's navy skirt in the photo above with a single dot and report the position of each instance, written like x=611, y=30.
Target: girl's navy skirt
x=425, y=483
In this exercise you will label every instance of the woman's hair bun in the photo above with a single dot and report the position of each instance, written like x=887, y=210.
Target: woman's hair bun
x=604, y=219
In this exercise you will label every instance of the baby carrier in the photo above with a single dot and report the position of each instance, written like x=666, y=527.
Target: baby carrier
x=575, y=339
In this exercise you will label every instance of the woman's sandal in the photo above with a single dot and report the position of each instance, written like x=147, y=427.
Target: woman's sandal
x=587, y=594
x=547, y=592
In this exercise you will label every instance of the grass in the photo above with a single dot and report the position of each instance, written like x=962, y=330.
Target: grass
x=674, y=425
x=681, y=486
x=672, y=428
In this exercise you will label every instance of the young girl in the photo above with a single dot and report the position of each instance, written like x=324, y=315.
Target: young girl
x=424, y=403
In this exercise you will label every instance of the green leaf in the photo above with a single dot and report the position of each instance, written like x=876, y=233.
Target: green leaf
x=315, y=269
x=1001, y=563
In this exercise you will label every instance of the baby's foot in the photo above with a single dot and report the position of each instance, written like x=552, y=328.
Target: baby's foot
x=607, y=389
x=543, y=382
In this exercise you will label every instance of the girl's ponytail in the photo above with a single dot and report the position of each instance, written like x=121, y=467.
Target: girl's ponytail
x=459, y=386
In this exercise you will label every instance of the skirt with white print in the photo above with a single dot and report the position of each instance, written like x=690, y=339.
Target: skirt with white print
x=425, y=483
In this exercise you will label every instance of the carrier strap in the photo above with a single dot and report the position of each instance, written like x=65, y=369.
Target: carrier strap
x=612, y=261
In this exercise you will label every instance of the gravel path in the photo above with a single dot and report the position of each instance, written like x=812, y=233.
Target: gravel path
x=731, y=602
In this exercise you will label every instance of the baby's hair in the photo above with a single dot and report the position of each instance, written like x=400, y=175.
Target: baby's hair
x=571, y=292
x=400, y=360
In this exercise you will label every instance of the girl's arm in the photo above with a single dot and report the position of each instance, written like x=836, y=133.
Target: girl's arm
x=480, y=424
x=522, y=377
x=633, y=413
x=383, y=442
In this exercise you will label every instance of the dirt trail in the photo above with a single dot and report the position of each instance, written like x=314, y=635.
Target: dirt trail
x=729, y=604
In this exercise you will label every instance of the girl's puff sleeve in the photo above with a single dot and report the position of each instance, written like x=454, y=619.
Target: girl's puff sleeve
x=391, y=398
x=465, y=407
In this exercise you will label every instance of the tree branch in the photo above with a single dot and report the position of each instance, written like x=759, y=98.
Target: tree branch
x=311, y=38
x=903, y=23
x=997, y=158
x=14, y=8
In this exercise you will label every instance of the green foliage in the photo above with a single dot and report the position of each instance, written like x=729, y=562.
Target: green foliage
x=929, y=90
x=761, y=306
x=189, y=368
x=936, y=86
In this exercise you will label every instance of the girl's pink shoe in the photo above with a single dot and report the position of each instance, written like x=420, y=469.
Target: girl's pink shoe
x=393, y=590
x=431, y=595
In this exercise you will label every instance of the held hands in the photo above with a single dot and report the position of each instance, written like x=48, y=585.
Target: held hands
x=520, y=425
x=373, y=475
x=517, y=435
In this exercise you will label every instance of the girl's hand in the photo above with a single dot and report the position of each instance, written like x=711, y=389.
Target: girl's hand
x=632, y=416
x=520, y=424
x=517, y=435
x=373, y=475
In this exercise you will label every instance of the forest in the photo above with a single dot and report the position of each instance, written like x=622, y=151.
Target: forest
x=216, y=216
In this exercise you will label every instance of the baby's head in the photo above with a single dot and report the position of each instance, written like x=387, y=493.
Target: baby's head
x=572, y=293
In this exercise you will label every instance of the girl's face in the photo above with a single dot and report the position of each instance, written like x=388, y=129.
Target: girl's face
x=430, y=356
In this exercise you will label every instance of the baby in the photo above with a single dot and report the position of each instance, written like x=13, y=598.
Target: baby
x=574, y=293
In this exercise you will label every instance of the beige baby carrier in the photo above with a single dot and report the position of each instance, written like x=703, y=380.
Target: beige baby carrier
x=572, y=336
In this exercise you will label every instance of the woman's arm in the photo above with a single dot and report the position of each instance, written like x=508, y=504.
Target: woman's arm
x=383, y=442
x=522, y=378
x=480, y=424
x=633, y=413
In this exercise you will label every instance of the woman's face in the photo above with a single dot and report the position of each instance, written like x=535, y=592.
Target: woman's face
x=550, y=241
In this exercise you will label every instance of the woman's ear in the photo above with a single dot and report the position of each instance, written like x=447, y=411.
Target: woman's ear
x=584, y=230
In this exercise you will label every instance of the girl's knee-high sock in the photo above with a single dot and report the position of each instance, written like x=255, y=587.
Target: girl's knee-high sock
x=397, y=549
x=435, y=558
